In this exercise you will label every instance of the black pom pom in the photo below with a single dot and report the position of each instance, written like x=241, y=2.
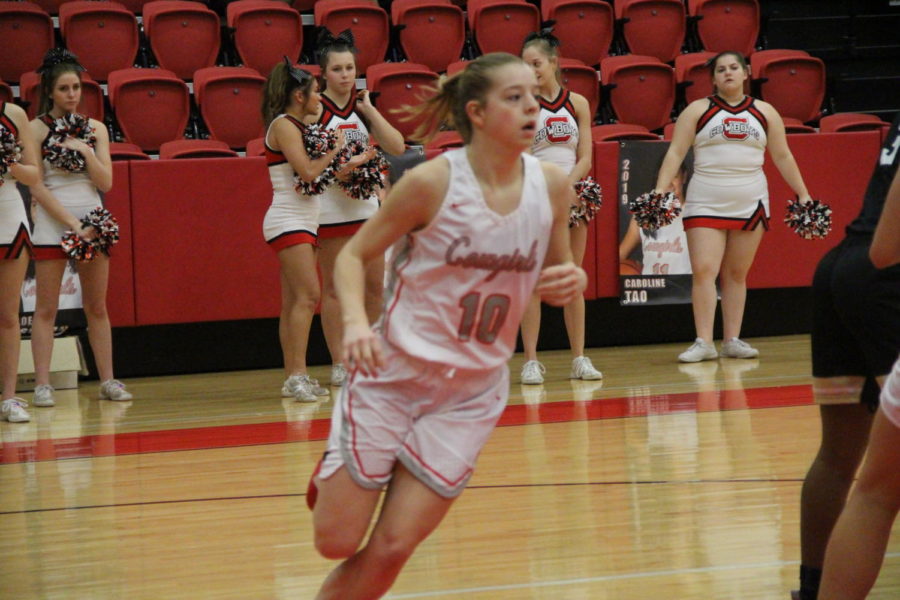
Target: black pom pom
x=71, y=125
x=653, y=210
x=318, y=141
x=365, y=180
x=590, y=199
x=10, y=151
x=811, y=221
x=107, y=228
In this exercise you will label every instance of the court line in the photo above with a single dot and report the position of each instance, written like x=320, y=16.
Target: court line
x=604, y=578
x=471, y=487
x=254, y=434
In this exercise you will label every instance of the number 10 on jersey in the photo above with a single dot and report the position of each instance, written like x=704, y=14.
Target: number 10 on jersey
x=485, y=319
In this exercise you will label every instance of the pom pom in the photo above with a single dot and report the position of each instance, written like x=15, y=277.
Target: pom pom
x=590, y=198
x=653, y=210
x=318, y=141
x=68, y=126
x=107, y=228
x=811, y=221
x=365, y=180
x=10, y=151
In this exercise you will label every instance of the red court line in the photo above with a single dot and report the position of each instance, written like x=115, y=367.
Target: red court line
x=232, y=436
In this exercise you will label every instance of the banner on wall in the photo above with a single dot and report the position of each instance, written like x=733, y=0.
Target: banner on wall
x=654, y=266
x=70, y=317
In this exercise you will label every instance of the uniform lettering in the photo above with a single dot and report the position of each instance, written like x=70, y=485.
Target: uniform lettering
x=488, y=261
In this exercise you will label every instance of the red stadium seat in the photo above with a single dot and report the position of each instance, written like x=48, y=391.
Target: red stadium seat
x=264, y=32
x=136, y=6
x=692, y=74
x=440, y=143
x=51, y=7
x=26, y=31
x=642, y=89
x=455, y=67
x=369, y=24
x=791, y=81
x=256, y=147
x=653, y=27
x=584, y=28
x=501, y=26
x=796, y=126
x=229, y=99
x=303, y=6
x=184, y=36
x=582, y=79
x=851, y=122
x=104, y=35
x=726, y=24
x=621, y=131
x=126, y=151
x=6, y=93
x=152, y=106
x=195, y=149
x=668, y=131
x=400, y=84
x=423, y=24
x=91, y=95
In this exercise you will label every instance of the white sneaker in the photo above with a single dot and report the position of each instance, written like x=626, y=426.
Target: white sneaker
x=338, y=375
x=300, y=387
x=735, y=348
x=288, y=390
x=582, y=368
x=13, y=410
x=533, y=373
x=698, y=351
x=113, y=389
x=43, y=395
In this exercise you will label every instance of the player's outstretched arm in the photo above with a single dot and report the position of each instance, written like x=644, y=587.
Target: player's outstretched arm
x=410, y=205
x=561, y=279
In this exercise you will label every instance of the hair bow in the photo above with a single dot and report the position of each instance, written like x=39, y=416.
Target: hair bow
x=546, y=34
x=326, y=38
x=301, y=76
x=58, y=56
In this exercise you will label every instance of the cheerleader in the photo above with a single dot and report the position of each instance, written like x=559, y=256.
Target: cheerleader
x=64, y=196
x=18, y=163
x=345, y=108
x=291, y=223
x=428, y=384
x=727, y=205
x=563, y=138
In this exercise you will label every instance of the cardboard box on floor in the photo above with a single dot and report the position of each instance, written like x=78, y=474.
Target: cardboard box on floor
x=65, y=365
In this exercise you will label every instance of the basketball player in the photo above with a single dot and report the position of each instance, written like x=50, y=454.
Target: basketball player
x=855, y=340
x=63, y=198
x=473, y=227
x=564, y=139
x=15, y=240
x=345, y=108
x=291, y=222
x=727, y=205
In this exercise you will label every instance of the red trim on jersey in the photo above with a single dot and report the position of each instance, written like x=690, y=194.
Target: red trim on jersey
x=20, y=241
x=336, y=230
x=563, y=99
x=329, y=106
x=276, y=157
x=741, y=107
x=6, y=121
x=705, y=117
x=292, y=238
x=758, y=216
x=48, y=252
x=759, y=117
x=434, y=471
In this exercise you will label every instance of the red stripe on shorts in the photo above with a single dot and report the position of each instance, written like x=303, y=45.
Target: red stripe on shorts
x=292, y=238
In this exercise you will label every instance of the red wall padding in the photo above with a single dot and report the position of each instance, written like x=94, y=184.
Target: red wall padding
x=199, y=253
x=192, y=249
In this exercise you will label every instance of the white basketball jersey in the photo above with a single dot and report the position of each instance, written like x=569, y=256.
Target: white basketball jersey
x=665, y=250
x=730, y=142
x=457, y=289
x=556, y=140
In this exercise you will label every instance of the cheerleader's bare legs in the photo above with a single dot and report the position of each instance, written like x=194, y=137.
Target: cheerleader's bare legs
x=573, y=312
x=299, y=297
x=12, y=272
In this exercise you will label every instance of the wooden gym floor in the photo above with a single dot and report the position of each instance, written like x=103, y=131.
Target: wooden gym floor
x=665, y=481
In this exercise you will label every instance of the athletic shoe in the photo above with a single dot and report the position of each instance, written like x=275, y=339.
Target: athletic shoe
x=300, y=388
x=583, y=369
x=338, y=375
x=698, y=351
x=113, y=389
x=13, y=410
x=288, y=390
x=43, y=395
x=533, y=373
x=317, y=389
x=735, y=348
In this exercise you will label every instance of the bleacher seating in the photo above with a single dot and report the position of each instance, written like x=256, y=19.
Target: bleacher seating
x=183, y=35
x=431, y=33
x=264, y=32
x=195, y=149
x=26, y=31
x=790, y=80
x=584, y=27
x=723, y=25
x=499, y=26
x=152, y=106
x=641, y=89
x=104, y=35
x=399, y=84
x=229, y=99
x=369, y=23
x=653, y=27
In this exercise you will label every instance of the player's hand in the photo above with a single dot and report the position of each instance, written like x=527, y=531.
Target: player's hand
x=362, y=158
x=560, y=284
x=805, y=199
x=364, y=100
x=362, y=350
x=339, y=135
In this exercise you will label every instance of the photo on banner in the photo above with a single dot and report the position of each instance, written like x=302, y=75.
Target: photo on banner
x=654, y=266
x=70, y=318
